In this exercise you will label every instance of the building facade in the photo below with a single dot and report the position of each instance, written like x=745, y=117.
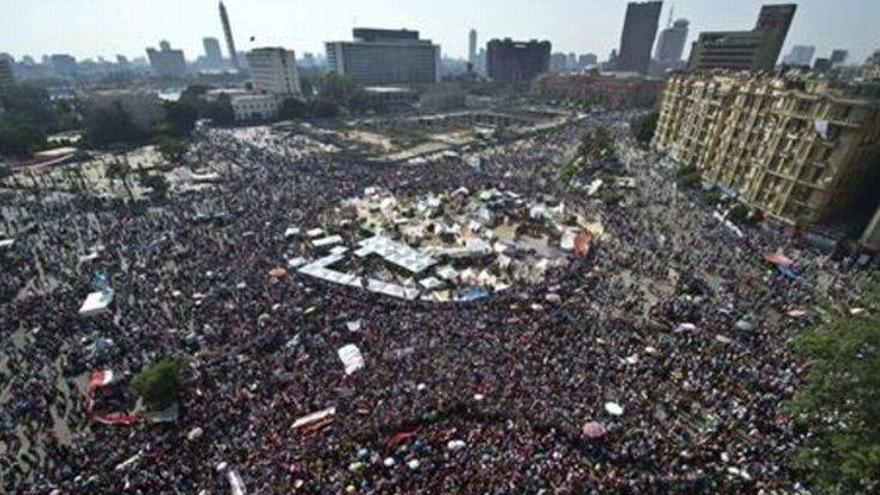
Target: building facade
x=670, y=44
x=795, y=147
x=254, y=107
x=472, y=48
x=611, y=91
x=637, y=39
x=167, y=62
x=801, y=55
x=274, y=71
x=379, y=57
x=838, y=57
x=7, y=78
x=755, y=50
x=213, y=55
x=512, y=62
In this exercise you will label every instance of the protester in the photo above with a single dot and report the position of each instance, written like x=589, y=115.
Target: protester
x=487, y=397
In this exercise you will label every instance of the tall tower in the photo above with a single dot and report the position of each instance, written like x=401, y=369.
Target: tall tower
x=472, y=48
x=230, y=43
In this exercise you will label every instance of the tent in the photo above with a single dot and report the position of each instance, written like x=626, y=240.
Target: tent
x=351, y=358
x=96, y=303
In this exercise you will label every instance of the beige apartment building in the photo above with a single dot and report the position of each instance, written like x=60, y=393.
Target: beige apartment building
x=797, y=147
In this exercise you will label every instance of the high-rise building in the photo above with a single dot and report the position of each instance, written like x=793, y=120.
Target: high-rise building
x=513, y=62
x=558, y=62
x=670, y=44
x=754, y=50
x=799, y=148
x=472, y=48
x=167, y=62
x=822, y=64
x=637, y=39
x=587, y=60
x=871, y=69
x=7, y=78
x=274, y=71
x=213, y=56
x=800, y=55
x=227, y=31
x=838, y=57
x=385, y=56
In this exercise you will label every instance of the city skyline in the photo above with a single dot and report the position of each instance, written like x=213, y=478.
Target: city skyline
x=50, y=27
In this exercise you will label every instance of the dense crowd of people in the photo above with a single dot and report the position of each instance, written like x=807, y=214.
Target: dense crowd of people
x=486, y=397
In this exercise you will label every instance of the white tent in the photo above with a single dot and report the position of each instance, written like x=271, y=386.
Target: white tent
x=96, y=303
x=351, y=358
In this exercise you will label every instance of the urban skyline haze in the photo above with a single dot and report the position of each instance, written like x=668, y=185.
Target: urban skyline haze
x=87, y=29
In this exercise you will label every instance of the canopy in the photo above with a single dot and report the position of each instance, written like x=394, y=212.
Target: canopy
x=96, y=303
x=351, y=358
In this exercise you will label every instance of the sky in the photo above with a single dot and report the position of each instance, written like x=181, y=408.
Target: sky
x=89, y=28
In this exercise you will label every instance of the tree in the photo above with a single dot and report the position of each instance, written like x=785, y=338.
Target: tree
x=643, y=128
x=161, y=384
x=596, y=148
x=171, y=149
x=158, y=183
x=293, y=109
x=841, y=403
x=738, y=213
x=19, y=139
x=325, y=109
x=112, y=125
x=220, y=110
x=180, y=118
x=119, y=170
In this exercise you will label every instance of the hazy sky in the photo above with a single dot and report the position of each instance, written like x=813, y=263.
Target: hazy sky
x=88, y=28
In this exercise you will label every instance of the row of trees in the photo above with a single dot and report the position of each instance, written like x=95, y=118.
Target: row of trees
x=595, y=149
x=29, y=115
x=840, y=403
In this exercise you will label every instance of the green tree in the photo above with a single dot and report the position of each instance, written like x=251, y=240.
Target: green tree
x=220, y=110
x=20, y=139
x=112, y=125
x=597, y=147
x=180, y=118
x=840, y=403
x=643, y=128
x=293, y=109
x=171, y=149
x=738, y=213
x=162, y=384
x=324, y=108
x=157, y=182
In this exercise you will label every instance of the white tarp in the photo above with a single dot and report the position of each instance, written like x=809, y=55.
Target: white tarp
x=6, y=243
x=567, y=241
x=821, y=127
x=594, y=186
x=351, y=358
x=327, y=241
x=236, y=485
x=96, y=303
x=314, y=417
x=396, y=253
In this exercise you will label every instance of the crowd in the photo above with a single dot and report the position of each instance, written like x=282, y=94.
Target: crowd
x=485, y=397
